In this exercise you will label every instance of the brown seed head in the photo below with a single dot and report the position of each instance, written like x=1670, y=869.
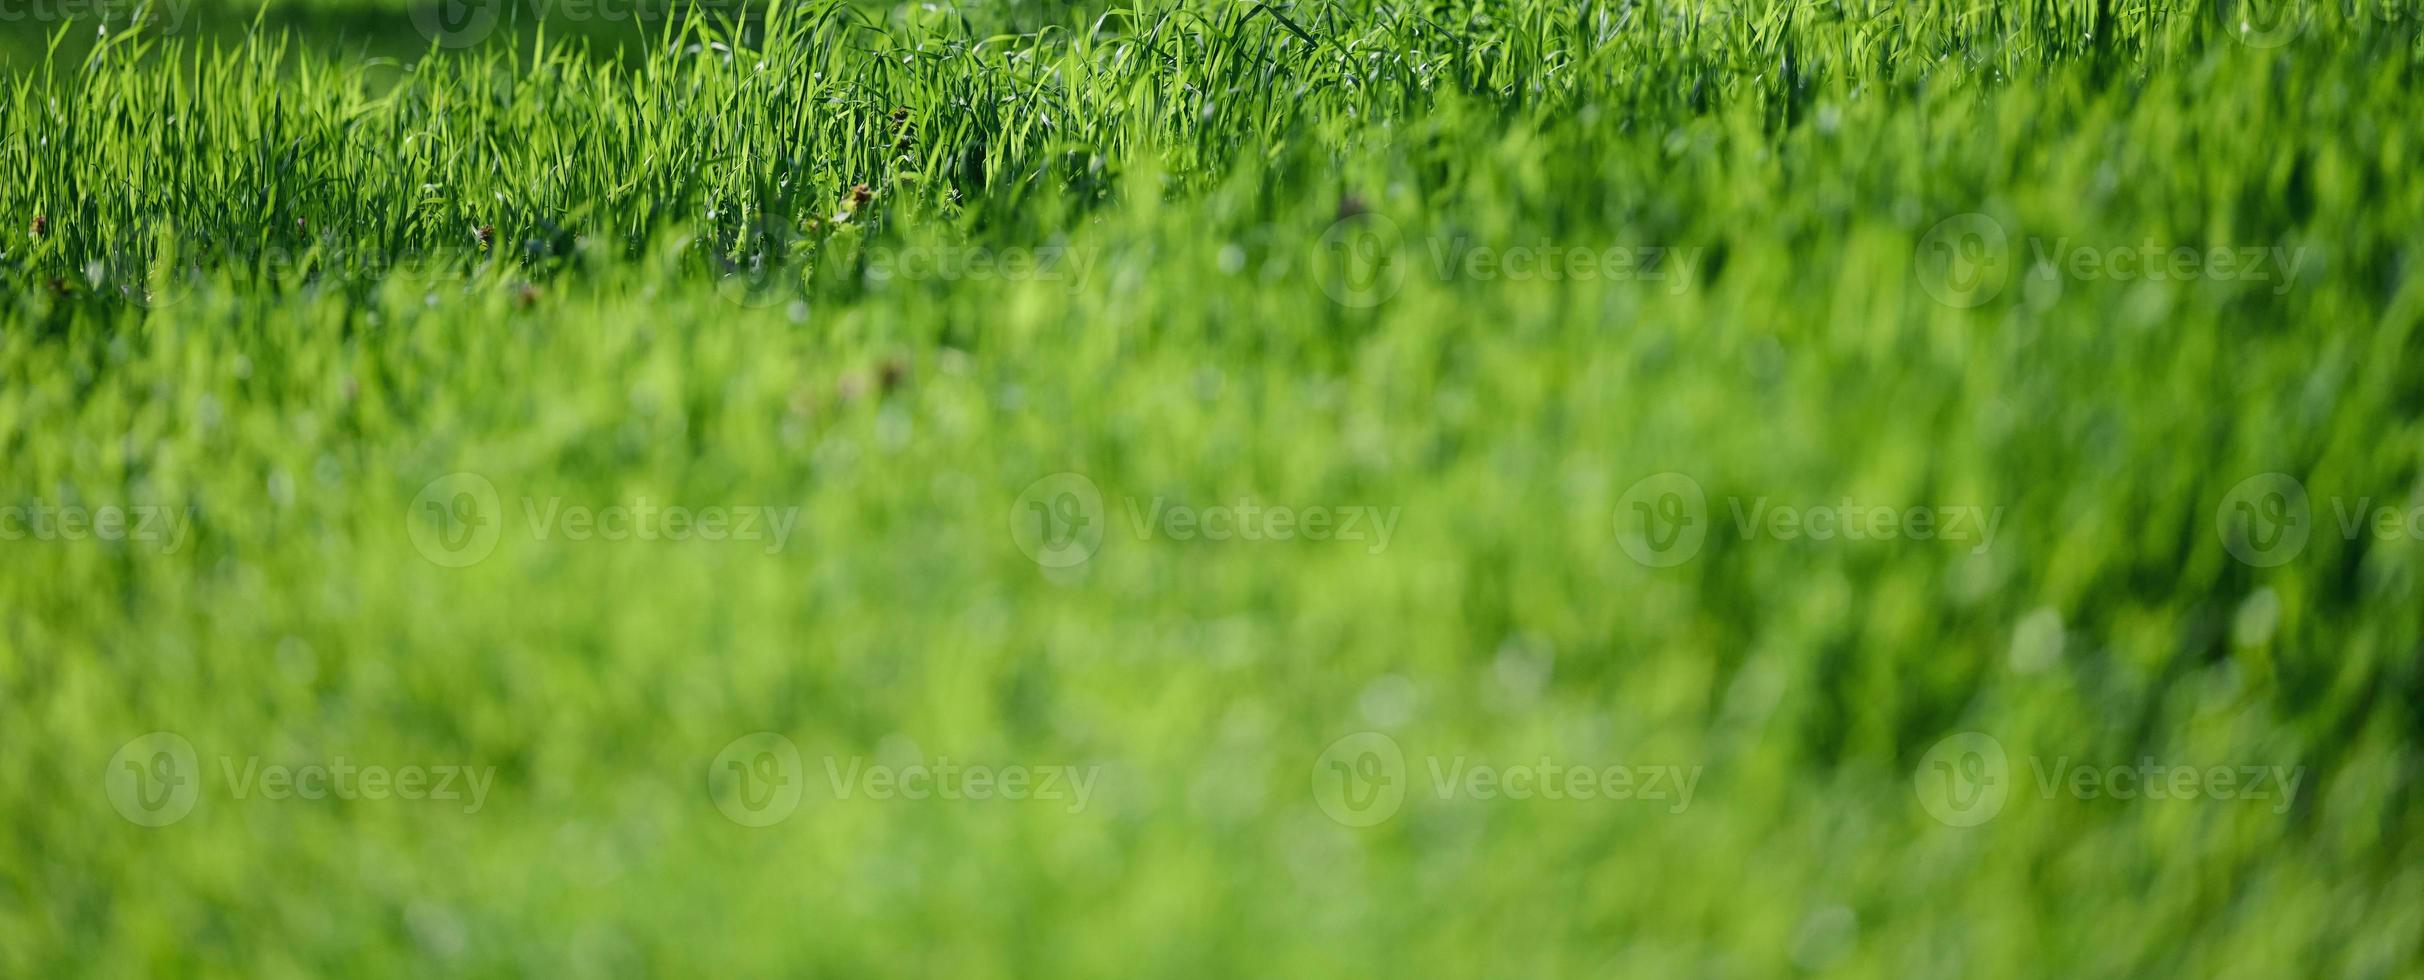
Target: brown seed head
x=860, y=194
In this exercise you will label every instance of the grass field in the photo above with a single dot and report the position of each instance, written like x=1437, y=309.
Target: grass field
x=1460, y=487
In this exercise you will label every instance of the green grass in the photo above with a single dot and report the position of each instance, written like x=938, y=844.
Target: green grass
x=284, y=293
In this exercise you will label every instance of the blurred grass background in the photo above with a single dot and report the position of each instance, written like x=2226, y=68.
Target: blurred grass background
x=672, y=299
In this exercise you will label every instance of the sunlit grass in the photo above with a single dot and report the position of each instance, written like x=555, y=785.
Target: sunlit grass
x=897, y=280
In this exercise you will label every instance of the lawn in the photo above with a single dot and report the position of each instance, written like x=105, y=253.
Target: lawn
x=1458, y=487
